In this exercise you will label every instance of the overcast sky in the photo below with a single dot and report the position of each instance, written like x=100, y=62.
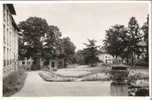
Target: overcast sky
x=81, y=21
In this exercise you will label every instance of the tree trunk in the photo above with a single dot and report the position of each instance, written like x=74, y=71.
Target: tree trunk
x=65, y=63
x=133, y=64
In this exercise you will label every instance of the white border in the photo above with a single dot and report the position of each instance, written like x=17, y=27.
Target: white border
x=82, y=1
x=76, y=97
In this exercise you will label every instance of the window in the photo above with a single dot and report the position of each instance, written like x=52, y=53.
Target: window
x=4, y=13
x=7, y=36
x=7, y=17
x=4, y=56
x=4, y=33
x=7, y=63
x=4, y=62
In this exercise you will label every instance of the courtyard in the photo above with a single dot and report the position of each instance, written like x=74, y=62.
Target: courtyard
x=82, y=56
x=35, y=86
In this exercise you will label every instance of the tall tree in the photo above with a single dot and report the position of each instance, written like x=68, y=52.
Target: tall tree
x=68, y=49
x=51, y=41
x=134, y=37
x=33, y=29
x=90, y=52
x=116, y=39
x=79, y=57
x=145, y=29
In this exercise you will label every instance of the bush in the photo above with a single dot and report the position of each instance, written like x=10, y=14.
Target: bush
x=13, y=82
x=138, y=84
x=142, y=63
x=142, y=92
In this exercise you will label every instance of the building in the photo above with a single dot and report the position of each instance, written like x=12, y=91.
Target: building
x=10, y=39
x=106, y=58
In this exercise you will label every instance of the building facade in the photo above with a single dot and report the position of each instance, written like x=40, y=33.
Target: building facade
x=10, y=40
x=106, y=58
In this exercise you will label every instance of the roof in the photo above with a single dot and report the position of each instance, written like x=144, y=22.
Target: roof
x=11, y=8
x=13, y=12
x=14, y=24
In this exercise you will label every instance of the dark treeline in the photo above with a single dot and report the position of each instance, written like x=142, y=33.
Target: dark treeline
x=130, y=43
x=42, y=41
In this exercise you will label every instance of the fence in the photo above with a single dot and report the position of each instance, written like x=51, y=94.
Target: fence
x=26, y=64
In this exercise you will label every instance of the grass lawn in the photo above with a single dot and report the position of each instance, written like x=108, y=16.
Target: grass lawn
x=13, y=82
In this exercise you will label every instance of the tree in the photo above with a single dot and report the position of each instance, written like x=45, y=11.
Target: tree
x=51, y=42
x=90, y=52
x=33, y=29
x=134, y=37
x=79, y=57
x=116, y=40
x=124, y=42
x=145, y=29
x=68, y=49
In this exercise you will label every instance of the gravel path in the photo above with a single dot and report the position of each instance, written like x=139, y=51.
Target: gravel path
x=36, y=86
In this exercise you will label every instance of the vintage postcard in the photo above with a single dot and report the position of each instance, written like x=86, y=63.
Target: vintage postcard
x=76, y=49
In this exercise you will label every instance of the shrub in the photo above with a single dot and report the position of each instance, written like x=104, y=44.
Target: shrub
x=13, y=82
x=142, y=92
x=142, y=63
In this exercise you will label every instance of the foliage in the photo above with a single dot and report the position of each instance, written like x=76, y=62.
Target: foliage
x=91, y=52
x=145, y=29
x=138, y=83
x=124, y=41
x=115, y=40
x=13, y=82
x=68, y=49
x=134, y=37
x=32, y=30
x=51, y=42
x=79, y=57
x=142, y=92
x=43, y=42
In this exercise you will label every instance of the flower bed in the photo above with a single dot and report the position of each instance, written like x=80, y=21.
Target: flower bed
x=96, y=77
x=53, y=77
x=72, y=73
x=49, y=76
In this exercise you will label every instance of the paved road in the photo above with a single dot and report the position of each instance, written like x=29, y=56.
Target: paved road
x=35, y=86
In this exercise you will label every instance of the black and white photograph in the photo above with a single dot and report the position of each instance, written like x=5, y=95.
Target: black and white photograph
x=76, y=49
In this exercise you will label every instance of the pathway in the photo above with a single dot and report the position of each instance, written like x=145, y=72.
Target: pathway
x=36, y=86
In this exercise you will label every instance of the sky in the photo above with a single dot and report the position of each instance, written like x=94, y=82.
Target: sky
x=82, y=21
